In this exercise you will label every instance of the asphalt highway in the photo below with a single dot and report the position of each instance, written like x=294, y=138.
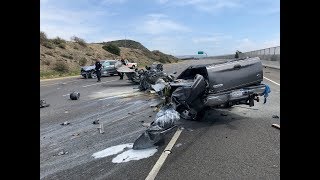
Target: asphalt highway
x=234, y=143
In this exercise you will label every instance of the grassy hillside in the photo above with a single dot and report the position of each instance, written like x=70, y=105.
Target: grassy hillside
x=128, y=44
x=59, y=57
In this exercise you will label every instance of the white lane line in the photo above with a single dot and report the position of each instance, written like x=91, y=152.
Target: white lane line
x=99, y=83
x=272, y=81
x=154, y=171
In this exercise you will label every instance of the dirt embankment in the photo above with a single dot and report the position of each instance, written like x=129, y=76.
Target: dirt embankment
x=64, y=58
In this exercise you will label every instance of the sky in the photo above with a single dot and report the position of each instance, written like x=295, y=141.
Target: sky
x=176, y=27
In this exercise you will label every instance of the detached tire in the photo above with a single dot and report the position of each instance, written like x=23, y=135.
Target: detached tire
x=75, y=96
x=93, y=75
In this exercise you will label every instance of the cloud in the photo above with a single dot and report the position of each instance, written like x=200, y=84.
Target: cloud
x=94, y=22
x=66, y=32
x=262, y=7
x=67, y=16
x=160, y=24
x=177, y=45
x=210, y=6
x=162, y=1
x=246, y=44
x=66, y=22
x=271, y=43
x=253, y=7
x=216, y=39
x=157, y=15
x=113, y=1
x=265, y=11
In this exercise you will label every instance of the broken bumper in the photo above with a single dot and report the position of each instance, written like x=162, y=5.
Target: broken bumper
x=234, y=95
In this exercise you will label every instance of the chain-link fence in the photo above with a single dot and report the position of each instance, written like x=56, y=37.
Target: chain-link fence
x=270, y=54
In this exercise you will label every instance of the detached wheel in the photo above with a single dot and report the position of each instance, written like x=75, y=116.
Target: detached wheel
x=75, y=96
x=93, y=75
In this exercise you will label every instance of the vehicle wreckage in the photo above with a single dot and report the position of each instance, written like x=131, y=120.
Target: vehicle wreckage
x=218, y=85
x=198, y=88
x=151, y=78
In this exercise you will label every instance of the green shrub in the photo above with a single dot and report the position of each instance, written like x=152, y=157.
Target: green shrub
x=162, y=60
x=113, y=49
x=67, y=56
x=49, y=44
x=62, y=46
x=78, y=40
x=83, y=61
x=43, y=37
x=61, y=67
x=58, y=41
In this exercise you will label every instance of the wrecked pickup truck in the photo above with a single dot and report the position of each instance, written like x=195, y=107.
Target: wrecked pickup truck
x=206, y=86
x=218, y=85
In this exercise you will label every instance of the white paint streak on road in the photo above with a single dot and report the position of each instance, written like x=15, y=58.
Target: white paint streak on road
x=112, y=150
x=134, y=155
x=127, y=153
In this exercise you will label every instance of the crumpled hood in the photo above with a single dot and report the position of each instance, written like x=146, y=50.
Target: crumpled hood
x=87, y=68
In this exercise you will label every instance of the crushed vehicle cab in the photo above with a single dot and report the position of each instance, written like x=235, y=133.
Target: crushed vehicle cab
x=217, y=85
x=108, y=69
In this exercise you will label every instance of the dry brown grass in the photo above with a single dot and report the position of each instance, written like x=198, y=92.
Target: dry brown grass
x=74, y=57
